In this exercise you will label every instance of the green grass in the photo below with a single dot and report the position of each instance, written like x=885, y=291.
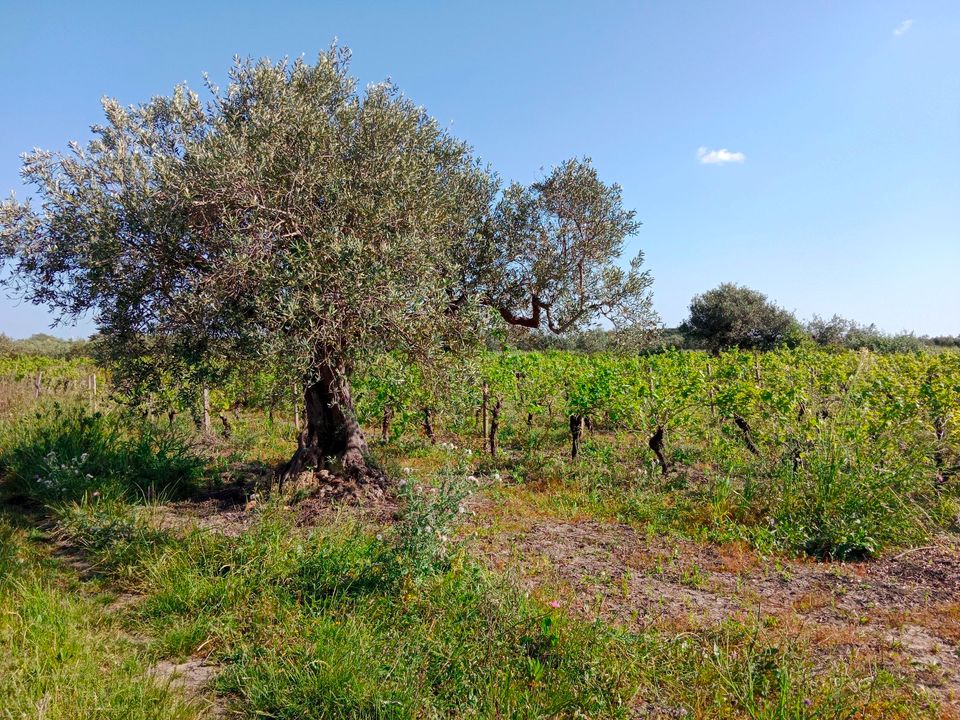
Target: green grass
x=843, y=501
x=349, y=621
x=63, y=657
x=335, y=623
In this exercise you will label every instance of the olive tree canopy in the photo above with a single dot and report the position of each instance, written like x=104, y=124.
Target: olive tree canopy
x=296, y=223
x=735, y=316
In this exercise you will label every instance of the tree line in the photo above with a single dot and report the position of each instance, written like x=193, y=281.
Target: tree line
x=734, y=316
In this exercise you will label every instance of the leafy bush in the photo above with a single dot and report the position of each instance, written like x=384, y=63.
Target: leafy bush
x=61, y=454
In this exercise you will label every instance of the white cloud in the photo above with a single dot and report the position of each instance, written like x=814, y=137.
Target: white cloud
x=903, y=27
x=719, y=157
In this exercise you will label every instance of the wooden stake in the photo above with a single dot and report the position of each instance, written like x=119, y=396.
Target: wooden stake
x=713, y=405
x=494, y=426
x=206, y=411
x=483, y=410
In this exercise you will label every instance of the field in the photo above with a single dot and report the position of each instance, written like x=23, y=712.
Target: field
x=742, y=535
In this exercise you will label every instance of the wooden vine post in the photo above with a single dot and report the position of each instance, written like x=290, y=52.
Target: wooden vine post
x=576, y=431
x=656, y=444
x=385, y=424
x=713, y=403
x=428, y=425
x=483, y=409
x=206, y=411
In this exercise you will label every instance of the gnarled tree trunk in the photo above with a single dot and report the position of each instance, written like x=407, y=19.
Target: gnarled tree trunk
x=331, y=437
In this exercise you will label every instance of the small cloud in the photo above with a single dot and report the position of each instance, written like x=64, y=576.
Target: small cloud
x=903, y=28
x=719, y=157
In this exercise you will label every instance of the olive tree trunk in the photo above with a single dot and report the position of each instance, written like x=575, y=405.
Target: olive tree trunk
x=331, y=437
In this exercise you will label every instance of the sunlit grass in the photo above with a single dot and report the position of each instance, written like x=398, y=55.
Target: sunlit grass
x=332, y=623
x=63, y=657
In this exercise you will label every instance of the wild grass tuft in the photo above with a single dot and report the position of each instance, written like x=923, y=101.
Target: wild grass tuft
x=840, y=505
x=62, y=453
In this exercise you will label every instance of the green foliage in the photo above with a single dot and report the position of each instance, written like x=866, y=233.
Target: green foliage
x=736, y=316
x=840, y=332
x=295, y=227
x=119, y=534
x=853, y=455
x=53, y=371
x=549, y=248
x=851, y=452
x=62, y=453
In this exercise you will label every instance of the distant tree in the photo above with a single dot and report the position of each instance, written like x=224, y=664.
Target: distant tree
x=830, y=332
x=871, y=338
x=296, y=224
x=548, y=247
x=735, y=316
x=44, y=345
x=671, y=338
x=945, y=341
x=840, y=332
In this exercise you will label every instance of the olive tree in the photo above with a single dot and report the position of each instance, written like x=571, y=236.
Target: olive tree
x=295, y=222
x=735, y=316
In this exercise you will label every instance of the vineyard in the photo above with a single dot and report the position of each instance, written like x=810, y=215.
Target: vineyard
x=746, y=534
x=832, y=454
x=601, y=418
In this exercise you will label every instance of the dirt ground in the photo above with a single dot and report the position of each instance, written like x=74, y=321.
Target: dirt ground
x=902, y=610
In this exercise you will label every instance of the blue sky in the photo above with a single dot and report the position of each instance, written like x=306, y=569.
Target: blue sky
x=834, y=126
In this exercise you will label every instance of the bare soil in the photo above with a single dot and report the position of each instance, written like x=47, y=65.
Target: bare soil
x=902, y=610
x=192, y=678
x=315, y=498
